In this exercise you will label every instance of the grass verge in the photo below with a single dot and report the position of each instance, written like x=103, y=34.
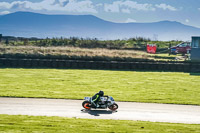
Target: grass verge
x=22, y=123
x=156, y=87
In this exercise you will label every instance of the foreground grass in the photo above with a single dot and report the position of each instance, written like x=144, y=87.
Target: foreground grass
x=20, y=123
x=157, y=87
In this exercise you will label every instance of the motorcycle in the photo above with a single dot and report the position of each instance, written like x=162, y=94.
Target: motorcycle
x=104, y=103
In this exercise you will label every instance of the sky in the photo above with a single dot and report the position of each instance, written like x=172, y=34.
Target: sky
x=119, y=11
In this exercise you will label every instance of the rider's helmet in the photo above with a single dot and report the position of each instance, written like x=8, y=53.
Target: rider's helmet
x=101, y=93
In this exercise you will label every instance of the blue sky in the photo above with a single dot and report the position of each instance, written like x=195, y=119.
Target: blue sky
x=122, y=11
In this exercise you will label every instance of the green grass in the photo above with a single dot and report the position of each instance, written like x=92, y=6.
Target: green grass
x=156, y=87
x=26, y=124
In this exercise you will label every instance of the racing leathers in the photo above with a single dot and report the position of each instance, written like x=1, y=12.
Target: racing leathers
x=96, y=99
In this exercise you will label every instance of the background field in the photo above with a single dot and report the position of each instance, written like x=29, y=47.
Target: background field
x=157, y=87
x=76, y=53
x=9, y=123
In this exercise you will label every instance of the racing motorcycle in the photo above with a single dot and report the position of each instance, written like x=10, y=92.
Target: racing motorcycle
x=104, y=103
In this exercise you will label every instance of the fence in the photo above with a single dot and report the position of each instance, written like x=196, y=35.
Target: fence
x=147, y=66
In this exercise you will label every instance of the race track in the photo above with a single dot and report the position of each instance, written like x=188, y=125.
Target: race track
x=127, y=110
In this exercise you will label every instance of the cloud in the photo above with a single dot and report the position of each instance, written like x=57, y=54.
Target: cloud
x=99, y=5
x=112, y=7
x=130, y=20
x=5, y=5
x=126, y=6
x=52, y=5
x=166, y=7
x=4, y=12
x=83, y=6
x=126, y=10
x=187, y=20
x=137, y=6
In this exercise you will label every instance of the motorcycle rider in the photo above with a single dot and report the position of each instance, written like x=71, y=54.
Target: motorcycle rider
x=96, y=98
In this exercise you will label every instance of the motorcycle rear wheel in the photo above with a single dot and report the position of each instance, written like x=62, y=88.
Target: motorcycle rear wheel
x=86, y=105
x=113, y=107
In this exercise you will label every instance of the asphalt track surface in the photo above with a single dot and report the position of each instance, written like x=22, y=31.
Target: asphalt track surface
x=127, y=110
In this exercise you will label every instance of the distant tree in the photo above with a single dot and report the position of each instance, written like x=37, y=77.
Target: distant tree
x=73, y=41
x=54, y=42
x=7, y=41
x=25, y=41
x=0, y=37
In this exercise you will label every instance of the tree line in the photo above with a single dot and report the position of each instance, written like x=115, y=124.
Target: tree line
x=136, y=42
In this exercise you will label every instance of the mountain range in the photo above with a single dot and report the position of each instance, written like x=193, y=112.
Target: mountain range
x=28, y=24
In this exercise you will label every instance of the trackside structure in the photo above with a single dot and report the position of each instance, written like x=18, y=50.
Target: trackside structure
x=195, y=49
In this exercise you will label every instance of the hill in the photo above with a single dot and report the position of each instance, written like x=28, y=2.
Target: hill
x=28, y=24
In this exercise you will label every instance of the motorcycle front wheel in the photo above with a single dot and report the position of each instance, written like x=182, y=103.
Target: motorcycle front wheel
x=113, y=107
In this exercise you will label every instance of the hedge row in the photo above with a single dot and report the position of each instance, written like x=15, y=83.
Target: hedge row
x=148, y=66
x=73, y=57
